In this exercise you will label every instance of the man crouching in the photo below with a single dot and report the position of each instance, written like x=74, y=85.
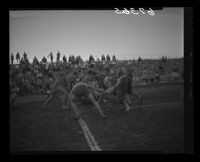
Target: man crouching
x=82, y=89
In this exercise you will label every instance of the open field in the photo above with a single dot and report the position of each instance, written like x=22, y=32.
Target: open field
x=157, y=127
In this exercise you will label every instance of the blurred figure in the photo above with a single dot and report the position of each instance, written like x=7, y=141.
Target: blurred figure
x=102, y=57
x=12, y=58
x=51, y=57
x=79, y=90
x=44, y=60
x=58, y=56
x=25, y=57
x=64, y=59
x=122, y=91
x=18, y=57
x=107, y=58
x=114, y=58
x=62, y=85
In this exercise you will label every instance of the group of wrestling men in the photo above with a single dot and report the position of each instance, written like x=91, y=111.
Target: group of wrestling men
x=75, y=86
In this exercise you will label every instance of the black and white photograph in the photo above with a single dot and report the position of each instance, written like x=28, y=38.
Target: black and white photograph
x=97, y=80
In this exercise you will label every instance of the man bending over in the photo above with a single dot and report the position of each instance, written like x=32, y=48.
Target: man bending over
x=82, y=89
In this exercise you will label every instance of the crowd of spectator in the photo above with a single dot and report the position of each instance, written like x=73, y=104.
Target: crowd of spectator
x=38, y=76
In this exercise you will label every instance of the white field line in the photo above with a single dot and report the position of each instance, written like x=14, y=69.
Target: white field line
x=88, y=136
x=158, y=104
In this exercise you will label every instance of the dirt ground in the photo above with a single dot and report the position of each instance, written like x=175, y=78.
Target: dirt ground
x=151, y=128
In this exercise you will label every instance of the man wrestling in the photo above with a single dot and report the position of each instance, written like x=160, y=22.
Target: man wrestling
x=122, y=91
x=82, y=89
x=63, y=84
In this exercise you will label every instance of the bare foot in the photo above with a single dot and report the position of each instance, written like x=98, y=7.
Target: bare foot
x=127, y=109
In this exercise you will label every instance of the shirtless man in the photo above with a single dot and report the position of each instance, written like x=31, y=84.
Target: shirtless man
x=62, y=85
x=82, y=89
x=122, y=91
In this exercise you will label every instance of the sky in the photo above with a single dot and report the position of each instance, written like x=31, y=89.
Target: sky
x=96, y=32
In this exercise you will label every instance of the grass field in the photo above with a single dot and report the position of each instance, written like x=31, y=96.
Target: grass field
x=151, y=128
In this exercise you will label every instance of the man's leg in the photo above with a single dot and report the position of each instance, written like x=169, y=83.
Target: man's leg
x=64, y=97
x=72, y=102
x=50, y=96
x=49, y=99
x=96, y=94
x=110, y=98
x=124, y=98
x=127, y=97
x=53, y=94
x=127, y=107
x=109, y=91
x=91, y=97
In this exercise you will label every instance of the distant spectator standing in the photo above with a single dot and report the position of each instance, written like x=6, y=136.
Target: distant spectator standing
x=139, y=60
x=164, y=59
x=25, y=57
x=73, y=59
x=51, y=56
x=12, y=58
x=21, y=63
x=91, y=58
x=64, y=59
x=26, y=61
x=58, y=56
x=76, y=60
x=80, y=60
x=102, y=57
x=107, y=58
x=114, y=58
x=35, y=61
x=18, y=57
x=70, y=59
x=44, y=60
x=140, y=69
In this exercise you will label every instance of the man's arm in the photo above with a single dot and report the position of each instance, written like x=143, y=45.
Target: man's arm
x=94, y=88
